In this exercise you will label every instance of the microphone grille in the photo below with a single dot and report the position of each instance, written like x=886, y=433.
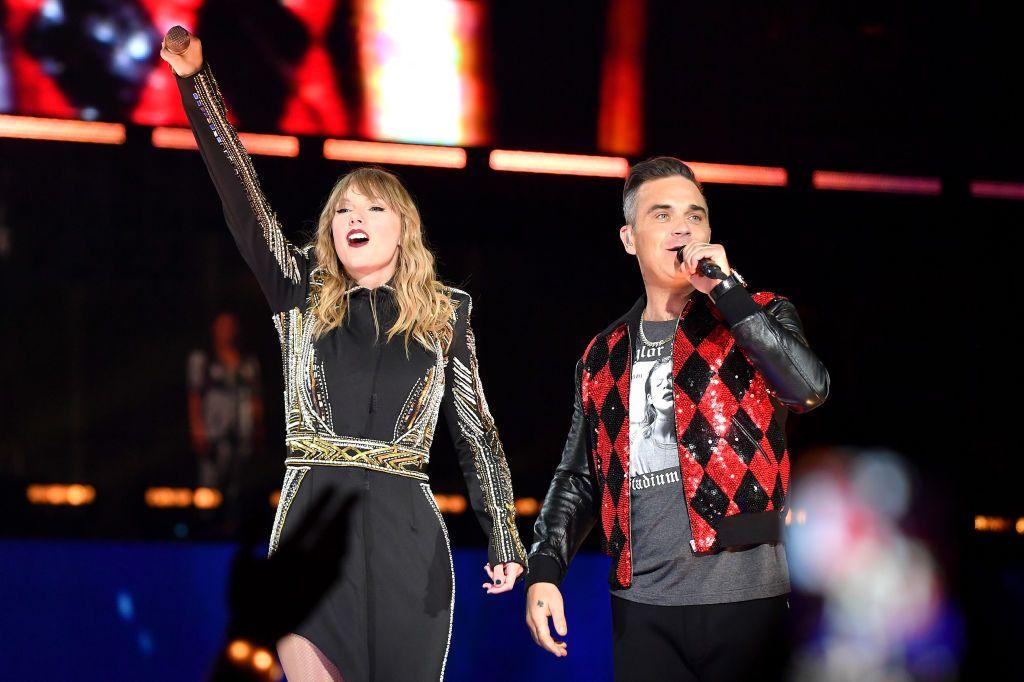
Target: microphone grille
x=177, y=40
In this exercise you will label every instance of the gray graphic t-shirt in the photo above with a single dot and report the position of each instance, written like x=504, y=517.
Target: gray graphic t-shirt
x=665, y=570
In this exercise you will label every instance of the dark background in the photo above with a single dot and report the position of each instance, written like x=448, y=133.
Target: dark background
x=117, y=258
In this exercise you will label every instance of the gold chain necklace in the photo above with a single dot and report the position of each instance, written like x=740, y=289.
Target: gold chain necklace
x=659, y=344
x=652, y=344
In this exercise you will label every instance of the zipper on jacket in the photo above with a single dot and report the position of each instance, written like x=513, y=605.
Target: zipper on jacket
x=746, y=433
x=757, y=445
x=372, y=406
x=629, y=483
x=378, y=346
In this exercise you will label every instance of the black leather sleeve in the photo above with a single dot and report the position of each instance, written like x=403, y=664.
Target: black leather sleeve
x=773, y=339
x=569, y=511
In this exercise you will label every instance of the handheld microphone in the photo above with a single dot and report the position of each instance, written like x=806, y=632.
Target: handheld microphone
x=706, y=267
x=177, y=40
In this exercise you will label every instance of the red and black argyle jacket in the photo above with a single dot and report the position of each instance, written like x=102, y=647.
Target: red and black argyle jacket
x=732, y=447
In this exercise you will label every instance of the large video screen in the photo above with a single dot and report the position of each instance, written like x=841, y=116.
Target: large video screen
x=376, y=69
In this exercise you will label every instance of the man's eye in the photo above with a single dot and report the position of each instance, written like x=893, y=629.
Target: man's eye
x=697, y=218
x=661, y=216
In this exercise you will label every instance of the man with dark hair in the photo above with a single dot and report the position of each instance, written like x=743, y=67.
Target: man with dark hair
x=699, y=578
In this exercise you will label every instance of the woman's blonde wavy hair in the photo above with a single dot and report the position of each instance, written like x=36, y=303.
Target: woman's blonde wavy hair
x=424, y=307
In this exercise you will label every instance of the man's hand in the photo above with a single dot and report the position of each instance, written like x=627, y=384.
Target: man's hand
x=694, y=253
x=188, y=62
x=503, y=577
x=543, y=601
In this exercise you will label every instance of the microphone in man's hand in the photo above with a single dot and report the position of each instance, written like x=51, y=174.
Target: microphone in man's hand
x=705, y=268
x=177, y=40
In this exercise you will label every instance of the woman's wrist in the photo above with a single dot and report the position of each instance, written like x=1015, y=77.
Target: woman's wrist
x=198, y=69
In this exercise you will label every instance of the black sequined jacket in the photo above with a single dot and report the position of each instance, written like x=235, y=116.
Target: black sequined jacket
x=353, y=398
x=740, y=363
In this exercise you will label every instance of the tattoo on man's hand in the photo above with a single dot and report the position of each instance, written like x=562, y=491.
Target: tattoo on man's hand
x=540, y=603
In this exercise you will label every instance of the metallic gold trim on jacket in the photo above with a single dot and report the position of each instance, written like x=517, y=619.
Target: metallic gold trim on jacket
x=307, y=404
x=477, y=427
x=391, y=458
x=210, y=101
x=417, y=420
x=432, y=501
x=293, y=476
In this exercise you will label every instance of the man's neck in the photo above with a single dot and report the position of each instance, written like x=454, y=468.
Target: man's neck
x=666, y=304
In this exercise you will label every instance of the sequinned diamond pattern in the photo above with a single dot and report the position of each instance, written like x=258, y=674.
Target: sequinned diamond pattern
x=732, y=449
x=605, y=401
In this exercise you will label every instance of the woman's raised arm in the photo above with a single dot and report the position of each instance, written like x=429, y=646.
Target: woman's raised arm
x=281, y=268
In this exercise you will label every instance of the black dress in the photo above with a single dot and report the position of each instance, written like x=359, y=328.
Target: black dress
x=360, y=420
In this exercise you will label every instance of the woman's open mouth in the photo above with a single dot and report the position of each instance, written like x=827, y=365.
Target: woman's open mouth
x=357, y=238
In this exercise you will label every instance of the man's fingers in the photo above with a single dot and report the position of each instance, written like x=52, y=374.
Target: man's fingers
x=531, y=624
x=558, y=618
x=688, y=260
x=713, y=252
x=545, y=640
x=699, y=252
x=532, y=628
x=694, y=252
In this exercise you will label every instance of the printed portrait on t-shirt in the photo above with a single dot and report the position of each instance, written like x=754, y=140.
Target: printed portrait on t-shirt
x=652, y=441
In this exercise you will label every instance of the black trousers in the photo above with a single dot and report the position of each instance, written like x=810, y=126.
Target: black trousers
x=746, y=640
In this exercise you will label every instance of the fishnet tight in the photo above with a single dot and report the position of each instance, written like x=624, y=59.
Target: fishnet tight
x=302, y=661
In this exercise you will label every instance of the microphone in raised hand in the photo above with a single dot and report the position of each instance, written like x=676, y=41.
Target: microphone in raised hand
x=705, y=267
x=183, y=51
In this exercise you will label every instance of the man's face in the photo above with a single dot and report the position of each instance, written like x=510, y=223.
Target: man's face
x=670, y=213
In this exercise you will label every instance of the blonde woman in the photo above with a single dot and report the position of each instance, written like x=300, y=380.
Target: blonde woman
x=373, y=348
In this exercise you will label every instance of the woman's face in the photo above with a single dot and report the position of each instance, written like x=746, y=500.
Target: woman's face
x=366, y=234
x=661, y=387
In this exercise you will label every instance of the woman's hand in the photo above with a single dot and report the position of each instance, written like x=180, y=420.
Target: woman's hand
x=188, y=62
x=503, y=577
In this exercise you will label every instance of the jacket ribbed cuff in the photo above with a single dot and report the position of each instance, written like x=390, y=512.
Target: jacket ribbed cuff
x=543, y=569
x=736, y=304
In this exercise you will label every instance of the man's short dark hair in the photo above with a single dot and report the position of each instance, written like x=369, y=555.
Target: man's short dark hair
x=652, y=169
